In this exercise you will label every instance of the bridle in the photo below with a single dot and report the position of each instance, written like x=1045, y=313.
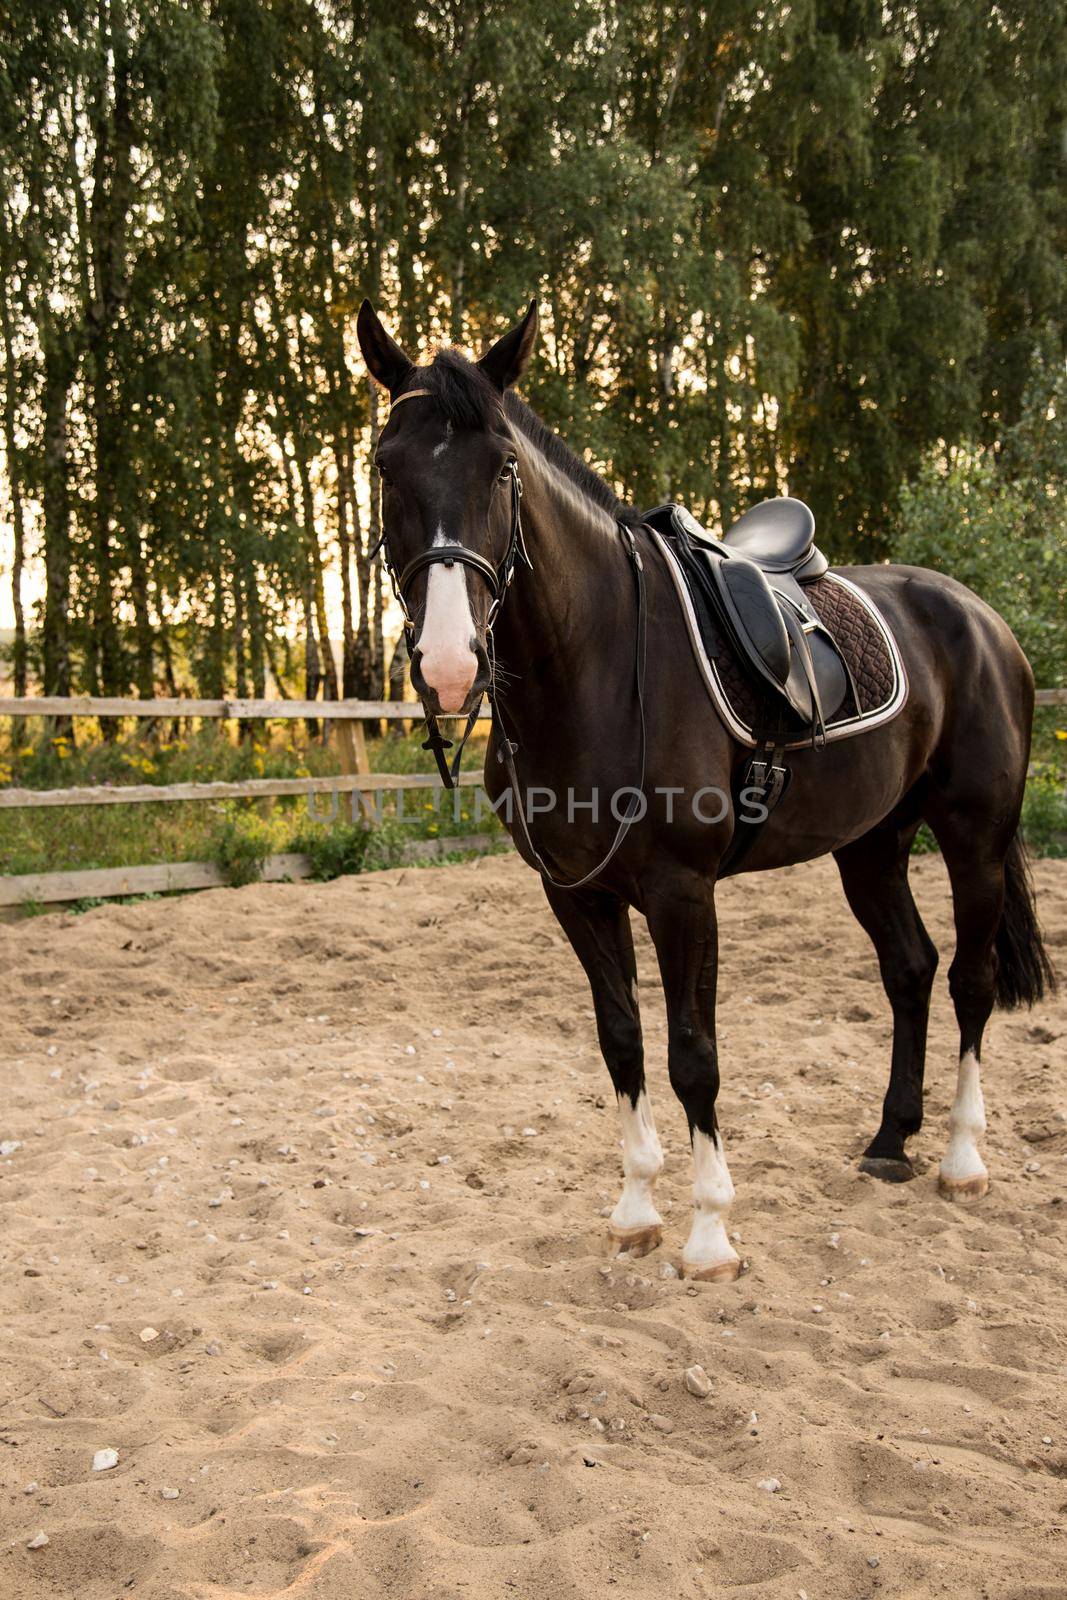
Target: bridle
x=498, y=578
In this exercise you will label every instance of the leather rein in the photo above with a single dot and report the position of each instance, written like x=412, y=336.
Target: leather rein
x=498, y=578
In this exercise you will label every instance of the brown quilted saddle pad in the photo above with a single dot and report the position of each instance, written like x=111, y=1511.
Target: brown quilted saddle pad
x=859, y=630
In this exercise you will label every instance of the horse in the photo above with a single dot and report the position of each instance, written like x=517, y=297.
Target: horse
x=569, y=620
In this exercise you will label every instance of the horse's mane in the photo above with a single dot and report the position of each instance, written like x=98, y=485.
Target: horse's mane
x=467, y=399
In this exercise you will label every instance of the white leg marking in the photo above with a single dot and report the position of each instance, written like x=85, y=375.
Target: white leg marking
x=963, y=1170
x=448, y=663
x=708, y=1252
x=642, y=1162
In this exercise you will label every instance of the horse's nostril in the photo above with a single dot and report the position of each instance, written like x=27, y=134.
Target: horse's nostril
x=449, y=674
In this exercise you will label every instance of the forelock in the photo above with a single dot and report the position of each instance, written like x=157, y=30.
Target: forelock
x=462, y=393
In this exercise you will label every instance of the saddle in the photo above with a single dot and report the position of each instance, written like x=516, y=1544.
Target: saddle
x=751, y=582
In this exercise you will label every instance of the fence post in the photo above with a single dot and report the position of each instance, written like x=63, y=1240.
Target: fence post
x=352, y=749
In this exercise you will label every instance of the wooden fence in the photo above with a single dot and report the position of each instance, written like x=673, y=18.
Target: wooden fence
x=355, y=778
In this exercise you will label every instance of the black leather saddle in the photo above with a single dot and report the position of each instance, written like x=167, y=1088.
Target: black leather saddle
x=751, y=579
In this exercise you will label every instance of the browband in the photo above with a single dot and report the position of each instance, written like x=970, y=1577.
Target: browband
x=411, y=394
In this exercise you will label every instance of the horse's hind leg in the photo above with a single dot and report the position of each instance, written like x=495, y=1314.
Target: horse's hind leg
x=598, y=927
x=874, y=872
x=975, y=862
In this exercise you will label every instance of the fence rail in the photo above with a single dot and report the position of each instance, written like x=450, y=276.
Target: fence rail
x=86, y=705
x=355, y=778
x=106, y=883
x=119, y=794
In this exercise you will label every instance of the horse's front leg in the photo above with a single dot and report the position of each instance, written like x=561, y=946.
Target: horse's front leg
x=681, y=920
x=598, y=926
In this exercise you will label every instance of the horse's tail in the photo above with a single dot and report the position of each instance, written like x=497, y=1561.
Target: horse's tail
x=1024, y=971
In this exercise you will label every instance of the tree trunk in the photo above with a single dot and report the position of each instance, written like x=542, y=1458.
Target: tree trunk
x=257, y=654
x=142, y=615
x=459, y=172
x=318, y=589
x=312, y=658
x=214, y=666
x=58, y=375
x=170, y=683
x=345, y=504
x=111, y=197
x=368, y=658
x=239, y=668
x=13, y=460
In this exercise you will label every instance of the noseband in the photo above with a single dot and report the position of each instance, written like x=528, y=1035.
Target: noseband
x=447, y=555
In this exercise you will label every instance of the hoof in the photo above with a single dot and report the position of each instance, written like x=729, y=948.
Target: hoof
x=963, y=1188
x=714, y=1272
x=638, y=1241
x=887, y=1170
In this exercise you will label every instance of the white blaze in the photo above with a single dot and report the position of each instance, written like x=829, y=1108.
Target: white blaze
x=713, y=1194
x=966, y=1124
x=446, y=658
x=642, y=1162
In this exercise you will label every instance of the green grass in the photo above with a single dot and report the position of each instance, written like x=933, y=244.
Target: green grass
x=238, y=834
x=75, y=837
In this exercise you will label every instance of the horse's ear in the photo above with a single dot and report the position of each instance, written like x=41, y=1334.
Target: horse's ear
x=385, y=359
x=507, y=360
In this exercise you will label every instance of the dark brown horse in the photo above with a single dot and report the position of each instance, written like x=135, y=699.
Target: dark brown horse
x=451, y=456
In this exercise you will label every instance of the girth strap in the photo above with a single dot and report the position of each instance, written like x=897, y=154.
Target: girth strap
x=763, y=781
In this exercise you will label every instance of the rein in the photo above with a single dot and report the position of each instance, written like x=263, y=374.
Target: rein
x=498, y=578
x=507, y=754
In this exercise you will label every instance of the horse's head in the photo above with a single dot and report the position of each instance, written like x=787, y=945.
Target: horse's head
x=450, y=501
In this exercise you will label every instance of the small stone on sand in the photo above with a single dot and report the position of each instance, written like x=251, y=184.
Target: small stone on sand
x=103, y=1460
x=772, y=1485
x=38, y=1541
x=697, y=1382
x=148, y=1334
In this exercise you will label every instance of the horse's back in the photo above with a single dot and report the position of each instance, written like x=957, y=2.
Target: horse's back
x=944, y=629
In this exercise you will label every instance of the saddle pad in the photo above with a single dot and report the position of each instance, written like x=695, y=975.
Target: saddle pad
x=861, y=633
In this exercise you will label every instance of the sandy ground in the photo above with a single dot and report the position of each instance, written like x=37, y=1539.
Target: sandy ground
x=347, y=1149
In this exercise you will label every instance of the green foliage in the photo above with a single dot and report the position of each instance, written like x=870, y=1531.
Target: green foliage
x=241, y=843
x=70, y=838
x=1045, y=812
x=774, y=246
x=336, y=850
x=1044, y=818
x=385, y=848
x=999, y=524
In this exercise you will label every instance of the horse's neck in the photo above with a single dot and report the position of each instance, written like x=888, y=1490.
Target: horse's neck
x=556, y=619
